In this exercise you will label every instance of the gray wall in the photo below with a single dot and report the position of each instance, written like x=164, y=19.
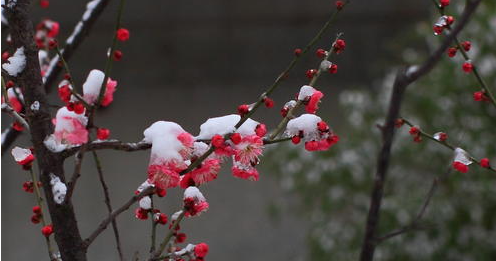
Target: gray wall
x=187, y=61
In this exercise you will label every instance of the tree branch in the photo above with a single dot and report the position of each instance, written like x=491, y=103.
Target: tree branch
x=403, y=79
x=103, y=225
x=79, y=33
x=415, y=223
x=107, y=203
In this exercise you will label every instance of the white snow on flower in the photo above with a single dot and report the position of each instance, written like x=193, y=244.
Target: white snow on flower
x=53, y=144
x=462, y=156
x=225, y=124
x=199, y=148
x=305, y=92
x=144, y=186
x=194, y=192
x=176, y=215
x=14, y=93
x=35, y=106
x=145, y=203
x=16, y=63
x=65, y=120
x=437, y=136
x=306, y=123
x=189, y=249
x=163, y=136
x=91, y=88
x=58, y=189
x=442, y=21
x=20, y=154
x=290, y=104
x=324, y=65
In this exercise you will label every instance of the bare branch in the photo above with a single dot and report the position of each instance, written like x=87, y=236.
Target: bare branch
x=403, y=79
x=103, y=225
x=108, y=203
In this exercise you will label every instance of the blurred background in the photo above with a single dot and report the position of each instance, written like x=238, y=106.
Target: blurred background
x=187, y=61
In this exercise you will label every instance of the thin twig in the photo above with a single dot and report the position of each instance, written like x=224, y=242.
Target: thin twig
x=475, y=72
x=444, y=143
x=103, y=225
x=39, y=201
x=155, y=255
x=108, y=203
x=282, y=125
x=415, y=223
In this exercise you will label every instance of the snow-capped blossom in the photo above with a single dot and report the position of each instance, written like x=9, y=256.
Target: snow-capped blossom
x=311, y=97
x=59, y=189
x=462, y=156
x=206, y=172
x=461, y=160
x=315, y=132
x=484, y=162
x=47, y=230
x=248, y=150
x=201, y=250
x=16, y=63
x=145, y=203
x=92, y=86
x=306, y=91
x=64, y=91
x=194, y=202
x=160, y=218
x=46, y=30
x=244, y=171
x=440, y=136
x=225, y=124
x=333, y=68
x=143, y=186
x=440, y=24
x=70, y=127
x=22, y=156
x=16, y=99
x=288, y=106
x=168, y=153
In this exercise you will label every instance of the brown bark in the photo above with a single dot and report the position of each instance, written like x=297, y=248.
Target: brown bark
x=63, y=218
